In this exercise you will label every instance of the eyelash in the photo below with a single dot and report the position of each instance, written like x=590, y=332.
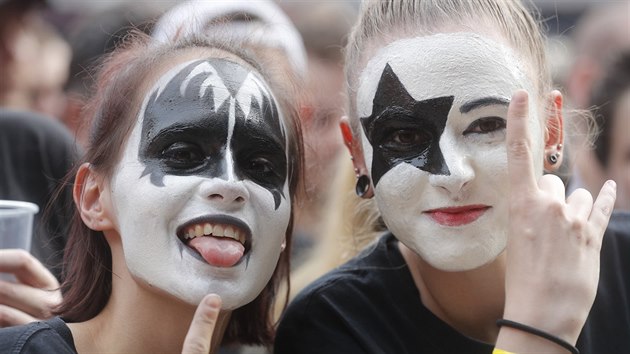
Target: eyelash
x=183, y=155
x=260, y=165
x=476, y=127
x=405, y=138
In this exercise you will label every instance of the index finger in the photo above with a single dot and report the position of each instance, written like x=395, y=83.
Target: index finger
x=518, y=140
x=199, y=336
x=27, y=269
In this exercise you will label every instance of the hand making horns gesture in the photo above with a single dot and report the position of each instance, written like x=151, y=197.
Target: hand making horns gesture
x=553, y=246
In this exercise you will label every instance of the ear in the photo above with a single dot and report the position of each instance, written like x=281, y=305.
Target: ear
x=90, y=200
x=554, y=133
x=356, y=155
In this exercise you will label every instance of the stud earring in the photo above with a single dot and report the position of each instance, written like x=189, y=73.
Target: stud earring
x=363, y=185
x=553, y=158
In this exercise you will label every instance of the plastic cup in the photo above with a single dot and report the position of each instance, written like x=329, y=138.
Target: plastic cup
x=16, y=227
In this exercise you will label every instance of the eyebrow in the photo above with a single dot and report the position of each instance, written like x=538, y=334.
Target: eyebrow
x=482, y=102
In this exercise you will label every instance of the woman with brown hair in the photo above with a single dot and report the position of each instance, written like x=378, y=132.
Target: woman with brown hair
x=186, y=189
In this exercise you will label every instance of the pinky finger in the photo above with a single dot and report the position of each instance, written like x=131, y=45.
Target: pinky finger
x=604, y=204
x=13, y=317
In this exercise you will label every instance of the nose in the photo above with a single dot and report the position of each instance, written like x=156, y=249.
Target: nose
x=228, y=194
x=225, y=188
x=460, y=168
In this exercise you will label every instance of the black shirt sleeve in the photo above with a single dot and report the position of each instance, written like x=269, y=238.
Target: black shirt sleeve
x=47, y=337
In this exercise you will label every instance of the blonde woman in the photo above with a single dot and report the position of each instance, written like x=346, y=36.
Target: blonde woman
x=452, y=121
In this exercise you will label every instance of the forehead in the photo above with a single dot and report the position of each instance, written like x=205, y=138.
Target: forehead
x=198, y=77
x=463, y=65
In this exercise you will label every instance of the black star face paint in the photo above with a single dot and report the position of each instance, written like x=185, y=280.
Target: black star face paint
x=402, y=129
x=434, y=112
x=201, y=190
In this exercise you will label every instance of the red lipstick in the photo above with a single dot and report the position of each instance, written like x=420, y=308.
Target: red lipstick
x=457, y=216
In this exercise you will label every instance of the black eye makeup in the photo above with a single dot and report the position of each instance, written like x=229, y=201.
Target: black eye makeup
x=402, y=129
x=182, y=156
x=208, y=107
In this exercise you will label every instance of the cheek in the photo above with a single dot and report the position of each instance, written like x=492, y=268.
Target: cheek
x=136, y=198
x=401, y=188
x=491, y=166
x=268, y=216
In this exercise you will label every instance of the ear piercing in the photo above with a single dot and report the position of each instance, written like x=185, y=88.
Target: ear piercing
x=363, y=185
x=553, y=158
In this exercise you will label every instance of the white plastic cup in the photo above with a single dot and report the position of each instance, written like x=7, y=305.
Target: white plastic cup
x=16, y=227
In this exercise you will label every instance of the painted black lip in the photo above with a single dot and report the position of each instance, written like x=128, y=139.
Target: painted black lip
x=219, y=219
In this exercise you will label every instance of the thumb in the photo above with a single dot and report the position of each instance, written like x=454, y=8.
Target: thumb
x=199, y=336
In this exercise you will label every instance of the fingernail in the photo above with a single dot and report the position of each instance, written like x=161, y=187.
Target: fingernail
x=612, y=184
x=214, y=301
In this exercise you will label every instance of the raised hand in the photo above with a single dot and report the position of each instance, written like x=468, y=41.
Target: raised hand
x=34, y=295
x=553, y=246
x=199, y=337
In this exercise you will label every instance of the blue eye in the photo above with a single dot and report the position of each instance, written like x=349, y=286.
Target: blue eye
x=486, y=125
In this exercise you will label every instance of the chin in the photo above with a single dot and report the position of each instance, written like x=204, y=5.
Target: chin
x=231, y=297
x=461, y=263
x=461, y=259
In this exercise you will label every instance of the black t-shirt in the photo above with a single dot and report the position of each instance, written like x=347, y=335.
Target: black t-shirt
x=607, y=329
x=47, y=337
x=36, y=152
x=371, y=305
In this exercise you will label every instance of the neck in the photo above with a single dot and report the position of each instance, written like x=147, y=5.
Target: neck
x=469, y=301
x=138, y=319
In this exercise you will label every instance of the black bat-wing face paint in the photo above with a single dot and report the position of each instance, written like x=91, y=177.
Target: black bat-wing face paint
x=259, y=145
x=402, y=129
x=214, y=118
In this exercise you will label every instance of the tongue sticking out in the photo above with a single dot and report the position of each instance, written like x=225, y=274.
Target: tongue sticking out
x=218, y=251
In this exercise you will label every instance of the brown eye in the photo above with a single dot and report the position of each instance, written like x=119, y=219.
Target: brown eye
x=260, y=165
x=406, y=140
x=405, y=137
x=486, y=125
x=183, y=155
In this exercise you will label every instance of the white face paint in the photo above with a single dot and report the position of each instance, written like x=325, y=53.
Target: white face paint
x=433, y=113
x=207, y=155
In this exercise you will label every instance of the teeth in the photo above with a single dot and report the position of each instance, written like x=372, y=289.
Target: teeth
x=229, y=232
x=218, y=230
